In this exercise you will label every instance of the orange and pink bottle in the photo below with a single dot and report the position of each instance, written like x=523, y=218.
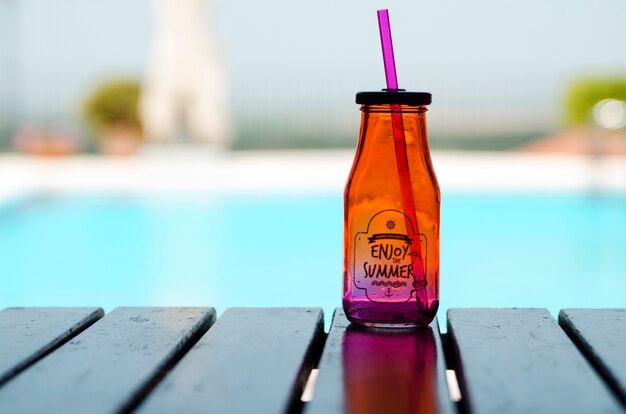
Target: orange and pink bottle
x=391, y=215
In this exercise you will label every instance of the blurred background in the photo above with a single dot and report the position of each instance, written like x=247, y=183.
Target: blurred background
x=501, y=74
x=168, y=152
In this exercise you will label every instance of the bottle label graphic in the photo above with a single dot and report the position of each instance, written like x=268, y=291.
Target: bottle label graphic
x=382, y=264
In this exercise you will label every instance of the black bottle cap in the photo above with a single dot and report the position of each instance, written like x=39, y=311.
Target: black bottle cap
x=394, y=97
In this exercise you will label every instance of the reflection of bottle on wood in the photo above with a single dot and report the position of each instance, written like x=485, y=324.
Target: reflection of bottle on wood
x=391, y=213
x=390, y=372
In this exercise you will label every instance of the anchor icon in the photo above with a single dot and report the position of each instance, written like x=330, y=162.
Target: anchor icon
x=388, y=292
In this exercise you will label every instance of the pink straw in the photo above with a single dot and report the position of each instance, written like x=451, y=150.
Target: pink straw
x=387, y=46
x=402, y=162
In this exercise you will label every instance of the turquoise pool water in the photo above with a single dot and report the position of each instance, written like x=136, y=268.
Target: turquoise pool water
x=536, y=251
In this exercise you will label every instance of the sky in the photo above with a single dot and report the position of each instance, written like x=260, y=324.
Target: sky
x=486, y=62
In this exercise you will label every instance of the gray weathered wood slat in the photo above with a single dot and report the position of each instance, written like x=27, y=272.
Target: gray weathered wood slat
x=110, y=366
x=520, y=361
x=601, y=335
x=253, y=360
x=27, y=334
x=381, y=371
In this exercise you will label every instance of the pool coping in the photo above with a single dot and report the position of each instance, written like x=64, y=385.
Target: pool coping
x=297, y=173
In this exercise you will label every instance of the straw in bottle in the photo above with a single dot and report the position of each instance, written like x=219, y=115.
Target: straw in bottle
x=406, y=187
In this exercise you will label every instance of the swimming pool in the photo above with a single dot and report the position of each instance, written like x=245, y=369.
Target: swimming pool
x=496, y=250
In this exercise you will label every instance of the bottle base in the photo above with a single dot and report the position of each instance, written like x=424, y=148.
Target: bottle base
x=390, y=316
x=383, y=325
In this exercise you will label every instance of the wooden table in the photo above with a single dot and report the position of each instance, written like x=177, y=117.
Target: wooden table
x=258, y=360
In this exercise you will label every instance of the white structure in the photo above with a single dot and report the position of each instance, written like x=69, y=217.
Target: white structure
x=185, y=86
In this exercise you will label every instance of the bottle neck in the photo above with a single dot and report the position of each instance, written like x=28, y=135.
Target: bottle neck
x=377, y=128
x=404, y=109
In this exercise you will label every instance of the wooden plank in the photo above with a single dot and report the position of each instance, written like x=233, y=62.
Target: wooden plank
x=381, y=371
x=520, y=361
x=252, y=360
x=28, y=334
x=110, y=366
x=601, y=336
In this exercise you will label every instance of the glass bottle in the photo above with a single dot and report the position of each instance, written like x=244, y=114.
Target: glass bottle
x=391, y=215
